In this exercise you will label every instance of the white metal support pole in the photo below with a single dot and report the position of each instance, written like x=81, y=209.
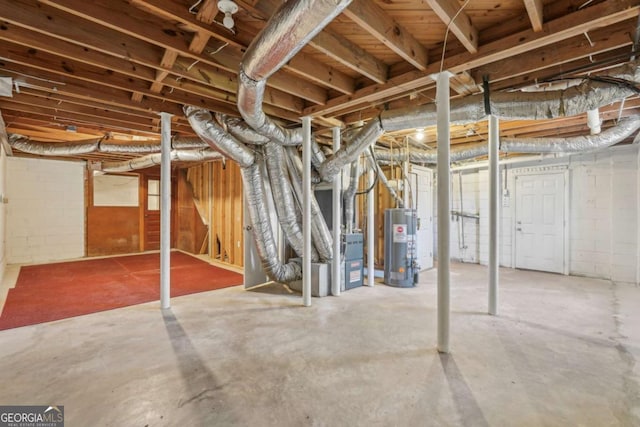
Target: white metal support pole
x=494, y=210
x=444, y=169
x=371, y=226
x=306, y=211
x=165, y=210
x=337, y=221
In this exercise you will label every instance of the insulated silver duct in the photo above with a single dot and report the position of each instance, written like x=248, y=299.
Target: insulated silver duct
x=322, y=238
x=99, y=145
x=349, y=153
x=275, y=158
x=609, y=137
x=25, y=145
x=238, y=128
x=187, y=143
x=155, y=158
x=383, y=178
x=177, y=143
x=203, y=124
x=590, y=94
x=430, y=156
x=289, y=29
x=349, y=196
x=261, y=227
x=110, y=147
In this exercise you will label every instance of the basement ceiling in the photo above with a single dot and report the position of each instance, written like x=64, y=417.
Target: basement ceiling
x=106, y=68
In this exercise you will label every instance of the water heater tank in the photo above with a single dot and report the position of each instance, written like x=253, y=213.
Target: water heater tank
x=400, y=267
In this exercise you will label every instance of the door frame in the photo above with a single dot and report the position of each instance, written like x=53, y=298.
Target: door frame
x=414, y=171
x=542, y=170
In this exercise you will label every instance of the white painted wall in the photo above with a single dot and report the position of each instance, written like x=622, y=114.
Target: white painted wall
x=604, y=201
x=45, y=210
x=3, y=215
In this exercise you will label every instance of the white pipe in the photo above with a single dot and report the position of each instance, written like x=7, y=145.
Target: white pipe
x=165, y=211
x=494, y=209
x=371, y=229
x=593, y=121
x=306, y=211
x=444, y=169
x=337, y=223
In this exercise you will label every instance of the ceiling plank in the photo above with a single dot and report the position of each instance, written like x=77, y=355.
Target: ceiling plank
x=350, y=55
x=156, y=33
x=535, y=12
x=379, y=24
x=333, y=45
x=461, y=26
x=602, y=14
x=572, y=49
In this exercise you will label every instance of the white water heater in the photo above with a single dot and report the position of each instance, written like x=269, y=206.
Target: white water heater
x=400, y=255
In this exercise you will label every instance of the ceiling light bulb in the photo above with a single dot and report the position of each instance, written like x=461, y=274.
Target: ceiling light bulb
x=228, y=21
x=420, y=134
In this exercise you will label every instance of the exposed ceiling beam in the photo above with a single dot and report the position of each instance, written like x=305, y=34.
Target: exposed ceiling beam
x=378, y=23
x=587, y=19
x=458, y=22
x=123, y=31
x=333, y=45
x=535, y=12
x=350, y=55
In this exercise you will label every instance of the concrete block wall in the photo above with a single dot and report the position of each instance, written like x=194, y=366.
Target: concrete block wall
x=45, y=210
x=603, y=215
x=464, y=240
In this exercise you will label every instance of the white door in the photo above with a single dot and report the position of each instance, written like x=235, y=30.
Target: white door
x=421, y=188
x=540, y=222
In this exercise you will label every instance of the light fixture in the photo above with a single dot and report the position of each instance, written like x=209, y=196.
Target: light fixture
x=228, y=7
x=419, y=134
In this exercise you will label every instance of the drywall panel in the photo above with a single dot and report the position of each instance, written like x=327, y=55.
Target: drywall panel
x=45, y=210
x=3, y=212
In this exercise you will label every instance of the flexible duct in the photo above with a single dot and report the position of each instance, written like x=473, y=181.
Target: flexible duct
x=261, y=227
x=592, y=93
x=383, y=178
x=288, y=30
x=23, y=144
x=275, y=159
x=349, y=153
x=155, y=159
x=349, y=196
x=322, y=238
x=457, y=154
x=206, y=128
x=609, y=137
x=238, y=128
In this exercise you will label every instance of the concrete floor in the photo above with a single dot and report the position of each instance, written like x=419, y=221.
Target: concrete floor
x=562, y=352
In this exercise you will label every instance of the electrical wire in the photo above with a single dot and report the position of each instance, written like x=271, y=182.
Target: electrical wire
x=375, y=181
x=446, y=34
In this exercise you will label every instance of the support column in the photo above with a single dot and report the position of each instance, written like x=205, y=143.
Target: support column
x=494, y=211
x=306, y=211
x=165, y=210
x=444, y=170
x=337, y=222
x=371, y=228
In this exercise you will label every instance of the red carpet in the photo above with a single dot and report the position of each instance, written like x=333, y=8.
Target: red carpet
x=57, y=291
